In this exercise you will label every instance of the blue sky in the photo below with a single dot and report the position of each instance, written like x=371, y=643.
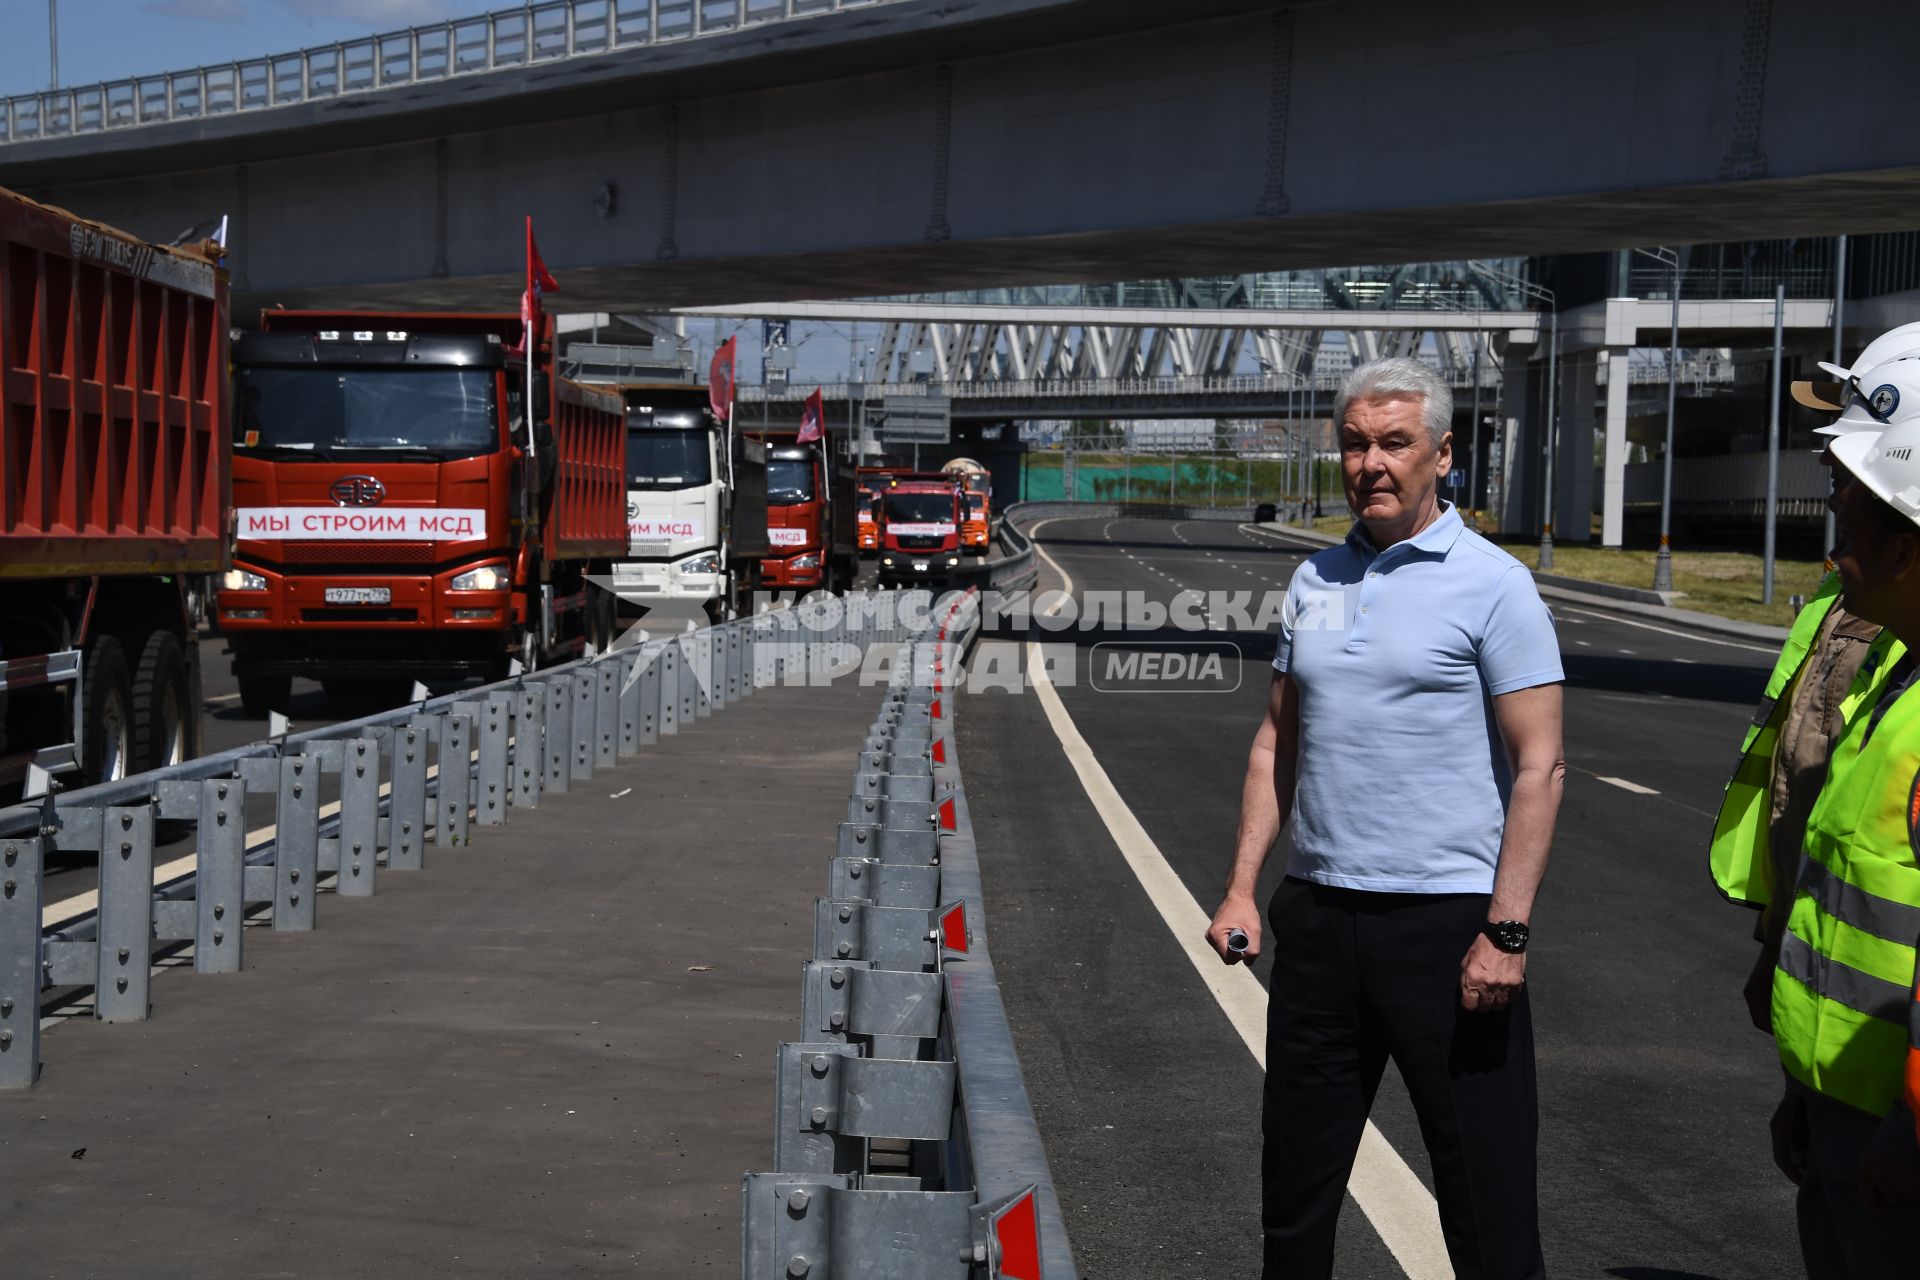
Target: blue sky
x=114, y=39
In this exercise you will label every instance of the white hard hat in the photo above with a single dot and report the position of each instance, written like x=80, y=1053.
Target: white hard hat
x=1833, y=397
x=1887, y=463
x=1879, y=397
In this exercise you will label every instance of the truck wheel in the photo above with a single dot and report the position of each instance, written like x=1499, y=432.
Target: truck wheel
x=160, y=707
x=261, y=694
x=108, y=712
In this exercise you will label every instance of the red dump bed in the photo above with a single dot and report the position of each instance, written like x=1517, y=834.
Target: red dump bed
x=113, y=386
x=588, y=518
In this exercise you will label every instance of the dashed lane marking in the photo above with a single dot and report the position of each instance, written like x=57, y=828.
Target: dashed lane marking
x=1624, y=785
x=1394, y=1199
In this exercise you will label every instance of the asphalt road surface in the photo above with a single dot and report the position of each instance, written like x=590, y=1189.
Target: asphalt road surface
x=1654, y=1090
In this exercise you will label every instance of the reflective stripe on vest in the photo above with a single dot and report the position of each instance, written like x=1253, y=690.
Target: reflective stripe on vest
x=1738, y=854
x=1843, y=991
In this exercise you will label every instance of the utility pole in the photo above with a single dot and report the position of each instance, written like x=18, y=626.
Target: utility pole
x=1553, y=378
x=53, y=43
x=1839, y=309
x=1473, y=455
x=1773, y=441
x=1663, y=560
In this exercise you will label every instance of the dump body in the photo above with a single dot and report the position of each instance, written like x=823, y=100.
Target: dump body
x=395, y=517
x=113, y=490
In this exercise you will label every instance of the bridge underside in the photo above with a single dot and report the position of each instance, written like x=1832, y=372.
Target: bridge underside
x=1854, y=203
x=961, y=144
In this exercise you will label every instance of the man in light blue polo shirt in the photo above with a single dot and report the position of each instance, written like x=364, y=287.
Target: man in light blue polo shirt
x=1413, y=738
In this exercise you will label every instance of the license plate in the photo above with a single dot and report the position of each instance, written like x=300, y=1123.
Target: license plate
x=359, y=595
x=920, y=566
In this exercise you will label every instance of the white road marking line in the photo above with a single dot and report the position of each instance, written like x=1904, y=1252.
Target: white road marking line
x=1584, y=644
x=1691, y=662
x=1629, y=652
x=1624, y=785
x=218, y=698
x=1396, y=1202
x=1668, y=631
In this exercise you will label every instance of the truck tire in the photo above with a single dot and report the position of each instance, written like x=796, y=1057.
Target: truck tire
x=161, y=733
x=107, y=712
x=261, y=694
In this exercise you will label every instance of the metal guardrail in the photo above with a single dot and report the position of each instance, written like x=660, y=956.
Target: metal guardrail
x=904, y=1141
x=523, y=36
x=409, y=777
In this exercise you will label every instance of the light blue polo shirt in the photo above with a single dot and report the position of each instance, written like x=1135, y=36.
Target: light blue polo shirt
x=1402, y=780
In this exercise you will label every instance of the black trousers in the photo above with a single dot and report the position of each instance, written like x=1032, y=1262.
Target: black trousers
x=1359, y=978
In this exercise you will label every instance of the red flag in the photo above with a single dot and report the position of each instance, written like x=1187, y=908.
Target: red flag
x=813, y=420
x=540, y=281
x=720, y=381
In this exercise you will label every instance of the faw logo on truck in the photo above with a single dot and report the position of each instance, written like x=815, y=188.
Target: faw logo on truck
x=358, y=491
x=396, y=524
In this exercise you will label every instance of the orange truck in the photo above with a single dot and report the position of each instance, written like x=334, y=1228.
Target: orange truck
x=812, y=513
x=400, y=515
x=976, y=524
x=920, y=514
x=113, y=492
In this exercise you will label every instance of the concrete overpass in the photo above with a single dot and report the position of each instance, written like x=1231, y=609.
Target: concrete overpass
x=923, y=144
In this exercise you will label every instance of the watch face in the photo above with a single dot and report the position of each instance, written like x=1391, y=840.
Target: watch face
x=1508, y=935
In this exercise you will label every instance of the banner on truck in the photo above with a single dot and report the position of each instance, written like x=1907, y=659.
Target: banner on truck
x=787, y=537
x=392, y=524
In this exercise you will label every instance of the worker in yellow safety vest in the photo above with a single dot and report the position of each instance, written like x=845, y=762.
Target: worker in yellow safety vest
x=1783, y=760
x=1842, y=991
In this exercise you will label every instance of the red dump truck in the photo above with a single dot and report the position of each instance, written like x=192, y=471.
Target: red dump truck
x=113, y=491
x=812, y=516
x=920, y=514
x=396, y=519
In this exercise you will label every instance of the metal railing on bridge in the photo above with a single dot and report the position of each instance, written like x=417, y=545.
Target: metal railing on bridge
x=525, y=35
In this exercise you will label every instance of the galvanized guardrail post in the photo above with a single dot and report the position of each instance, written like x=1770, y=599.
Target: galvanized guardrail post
x=359, y=818
x=456, y=775
x=586, y=716
x=296, y=844
x=496, y=719
x=22, y=871
x=407, y=810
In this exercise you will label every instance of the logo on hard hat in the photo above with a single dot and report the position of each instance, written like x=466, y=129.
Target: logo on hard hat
x=357, y=491
x=1884, y=400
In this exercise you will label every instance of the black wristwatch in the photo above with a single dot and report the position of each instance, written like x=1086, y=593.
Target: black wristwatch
x=1508, y=935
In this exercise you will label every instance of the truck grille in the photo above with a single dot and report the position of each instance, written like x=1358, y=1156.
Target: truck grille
x=359, y=613
x=649, y=547
x=920, y=542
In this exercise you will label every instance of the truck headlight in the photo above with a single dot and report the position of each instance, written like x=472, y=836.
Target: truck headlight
x=707, y=563
x=952, y=561
x=806, y=562
x=241, y=580
x=887, y=561
x=488, y=577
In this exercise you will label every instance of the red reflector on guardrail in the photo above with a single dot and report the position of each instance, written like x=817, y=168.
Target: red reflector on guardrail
x=1016, y=1232
x=933, y=709
x=953, y=928
x=939, y=751
x=948, y=820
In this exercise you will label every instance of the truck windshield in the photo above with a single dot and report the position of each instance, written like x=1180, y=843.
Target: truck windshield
x=667, y=459
x=976, y=505
x=430, y=413
x=789, y=480
x=920, y=508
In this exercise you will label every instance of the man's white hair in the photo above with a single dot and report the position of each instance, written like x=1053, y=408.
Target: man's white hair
x=1399, y=376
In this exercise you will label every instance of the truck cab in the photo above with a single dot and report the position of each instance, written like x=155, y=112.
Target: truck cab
x=695, y=514
x=396, y=519
x=920, y=531
x=869, y=522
